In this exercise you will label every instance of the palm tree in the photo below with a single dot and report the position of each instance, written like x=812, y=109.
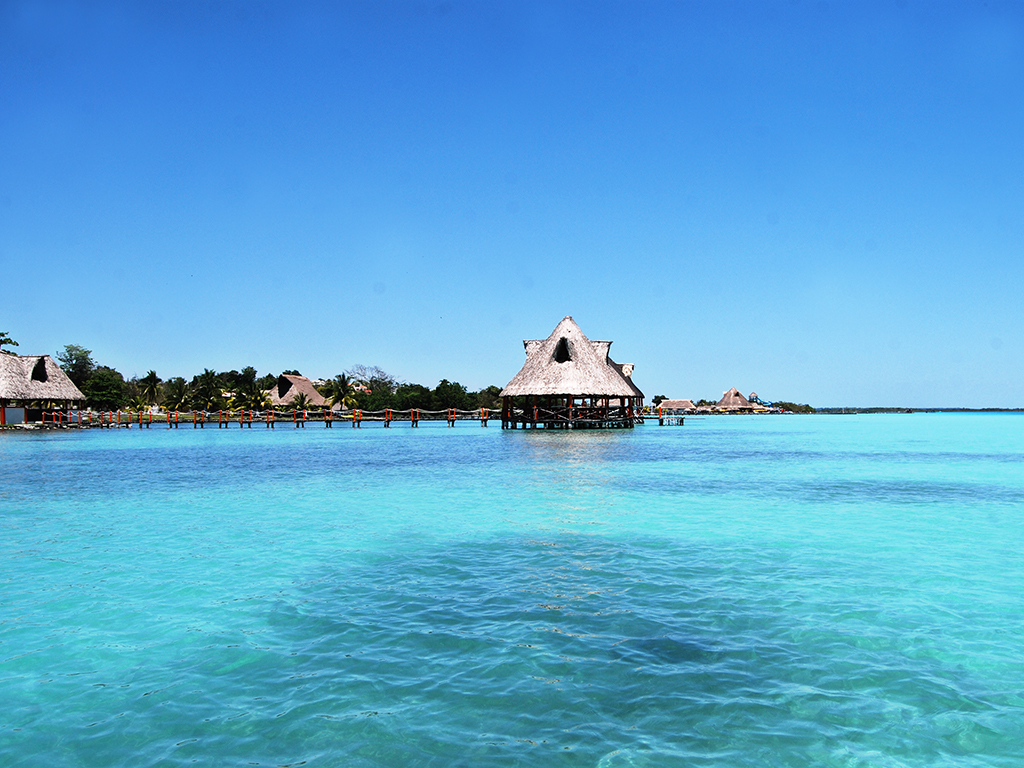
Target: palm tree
x=176, y=394
x=300, y=402
x=6, y=341
x=207, y=391
x=149, y=387
x=249, y=396
x=342, y=392
x=139, y=403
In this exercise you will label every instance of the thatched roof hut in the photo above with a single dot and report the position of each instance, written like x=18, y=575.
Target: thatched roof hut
x=734, y=401
x=568, y=363
x=567, y=367
x=28, y=378
x=288, y=387
x=668, y=406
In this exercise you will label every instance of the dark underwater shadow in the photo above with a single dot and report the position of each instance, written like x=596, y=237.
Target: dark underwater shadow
x=531, y=650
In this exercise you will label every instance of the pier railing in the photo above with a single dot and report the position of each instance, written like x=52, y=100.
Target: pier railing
x=246, y=418
x=567, y=417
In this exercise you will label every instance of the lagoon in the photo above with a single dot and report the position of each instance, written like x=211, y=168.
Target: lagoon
x=740, y=591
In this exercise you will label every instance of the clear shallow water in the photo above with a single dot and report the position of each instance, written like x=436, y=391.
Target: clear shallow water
x=771, y=591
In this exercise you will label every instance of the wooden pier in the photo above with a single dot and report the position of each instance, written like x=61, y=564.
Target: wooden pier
x=247, y=419
x=575, y=416
x=670, y=418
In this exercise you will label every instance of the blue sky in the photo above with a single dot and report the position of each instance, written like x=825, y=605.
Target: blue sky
x=821, y=202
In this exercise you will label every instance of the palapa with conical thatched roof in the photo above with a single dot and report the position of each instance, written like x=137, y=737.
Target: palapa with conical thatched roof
x=734, y=401
x=34, y=381
x=569, y=381
x=289, y=387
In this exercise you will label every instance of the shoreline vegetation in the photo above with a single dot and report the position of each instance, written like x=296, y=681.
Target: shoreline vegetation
x=368, y=388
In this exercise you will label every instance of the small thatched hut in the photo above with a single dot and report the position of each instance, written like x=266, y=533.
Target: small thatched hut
x=677, y=406
x=288, y=387
x=29, y=384
x=569, y=381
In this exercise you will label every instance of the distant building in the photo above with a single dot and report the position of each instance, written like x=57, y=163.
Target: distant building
x=30, y=384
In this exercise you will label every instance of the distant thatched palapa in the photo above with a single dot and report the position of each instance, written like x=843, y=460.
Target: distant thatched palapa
x=288, y=387
x=569, y=381
x=734, y=401
x=677, y=406
x=31, y=383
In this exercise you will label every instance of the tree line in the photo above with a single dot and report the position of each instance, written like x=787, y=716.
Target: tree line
x=365, y=387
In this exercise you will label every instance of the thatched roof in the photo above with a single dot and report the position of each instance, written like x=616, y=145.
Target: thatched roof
x=35, y=377
x=289, y=387
x=677, y=405
x=733, y=400
x=568, y=363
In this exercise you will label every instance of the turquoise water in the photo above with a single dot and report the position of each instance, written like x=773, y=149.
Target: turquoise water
x=759, y=591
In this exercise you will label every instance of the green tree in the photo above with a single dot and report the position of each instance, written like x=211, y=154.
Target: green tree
x=77, y=363
x=6, y=341
x=249, y=396
x=176, y=394
x=138, y=403
x=451, y=394
x=377, y=400
x=250, y=392
x=149, y=388
x=381, y=386
x=229, y=379
x=488, y=397
x=301, y=402
x=106, y=389
x=207, y=391
x=342, y=392
x=657, y=400
x=793, y=407
x=413, y=396
x=236, y=380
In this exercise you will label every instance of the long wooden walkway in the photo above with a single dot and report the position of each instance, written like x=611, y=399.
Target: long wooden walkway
x=572, y=418
x=247, y=419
